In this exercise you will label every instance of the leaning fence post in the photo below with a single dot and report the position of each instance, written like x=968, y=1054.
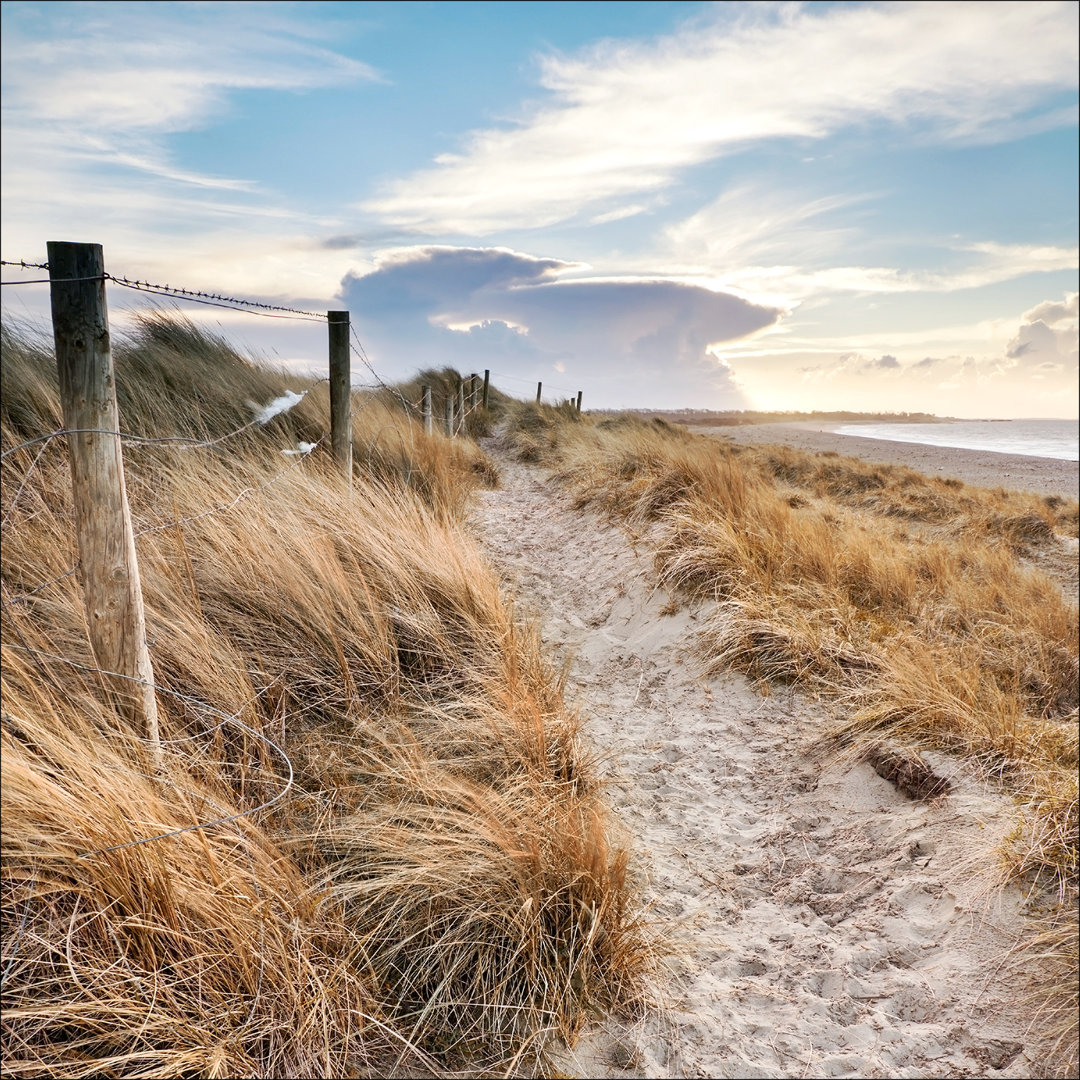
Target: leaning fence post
x=487, y=380
x=449, y=416
x=461, y=405
x=539, y=388
x=340, y=390
x=115, y=617
x=425, y=406
x=579, y=401
x=474, y=390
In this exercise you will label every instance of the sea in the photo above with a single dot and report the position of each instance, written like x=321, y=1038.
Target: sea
x=1031, y=438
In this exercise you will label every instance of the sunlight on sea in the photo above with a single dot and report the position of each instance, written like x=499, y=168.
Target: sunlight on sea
x=1031, y=438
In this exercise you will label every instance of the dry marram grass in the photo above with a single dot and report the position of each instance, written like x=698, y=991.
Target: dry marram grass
x=440, y=887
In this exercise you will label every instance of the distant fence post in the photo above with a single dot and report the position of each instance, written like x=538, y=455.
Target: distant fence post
x=425, y=398
x=461, y=405
x=579, y=401
x=474, y=391
x=340, y=390
x=449, y=416
x=487, y=380
x=539, y=389
x=115, y=617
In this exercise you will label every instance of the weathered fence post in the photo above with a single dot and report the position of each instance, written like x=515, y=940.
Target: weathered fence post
x=487, y=380
x=115, y=617
x=539, y=389
x=579, y=401
x=425, y=406
x=449, y=416
x=340, y=390
x=461, y=405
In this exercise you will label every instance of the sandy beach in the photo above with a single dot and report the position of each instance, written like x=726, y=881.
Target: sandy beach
x=1047, y=476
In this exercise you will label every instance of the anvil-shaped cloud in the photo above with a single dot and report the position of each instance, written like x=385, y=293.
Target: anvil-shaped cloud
x=623, y=341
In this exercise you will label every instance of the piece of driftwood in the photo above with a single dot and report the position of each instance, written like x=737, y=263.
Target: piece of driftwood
x=908, y=771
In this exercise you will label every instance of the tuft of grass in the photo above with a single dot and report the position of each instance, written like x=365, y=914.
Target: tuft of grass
x=440, y=888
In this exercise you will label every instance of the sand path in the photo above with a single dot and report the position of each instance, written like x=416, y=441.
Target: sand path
x=825, y=924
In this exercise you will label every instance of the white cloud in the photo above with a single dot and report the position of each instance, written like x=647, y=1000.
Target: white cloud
x=92, y=93
x=992, y=368
x=625, y=341
x=622, y=119
x=139, y=68
x=981, y=264
x=1048, y=340
x=749, y=224
x=1052, y=312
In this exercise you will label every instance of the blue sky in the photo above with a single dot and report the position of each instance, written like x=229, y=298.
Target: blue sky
x=797, y=206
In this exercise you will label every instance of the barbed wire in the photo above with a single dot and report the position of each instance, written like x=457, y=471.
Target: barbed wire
x=21, y=598
x=198, y=296
x=232, y=303
x=51, y=280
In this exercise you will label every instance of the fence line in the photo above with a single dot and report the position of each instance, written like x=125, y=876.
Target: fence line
x=80, y=304
x=150, y=737
x=253, y=307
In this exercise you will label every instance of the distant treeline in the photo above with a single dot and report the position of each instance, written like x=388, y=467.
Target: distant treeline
x=732, y=417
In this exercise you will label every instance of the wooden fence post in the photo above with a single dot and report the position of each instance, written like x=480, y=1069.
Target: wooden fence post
x=539, y=388
x=579, y=401
x=487, y=380
x=340, y=390
x=449, y=416
x=115, y=617
x=474, y=391
x=461, y=405
x=425, y=396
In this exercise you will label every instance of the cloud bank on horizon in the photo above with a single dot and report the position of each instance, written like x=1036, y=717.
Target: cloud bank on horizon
x=866, y=205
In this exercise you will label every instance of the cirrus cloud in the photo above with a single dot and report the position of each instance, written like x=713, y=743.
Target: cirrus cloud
x=622, y=119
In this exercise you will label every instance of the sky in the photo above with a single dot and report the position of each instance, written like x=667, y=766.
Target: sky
x=868, y=206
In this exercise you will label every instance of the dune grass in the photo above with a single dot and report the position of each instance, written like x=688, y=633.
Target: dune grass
x=439, y=888
x=909, y=601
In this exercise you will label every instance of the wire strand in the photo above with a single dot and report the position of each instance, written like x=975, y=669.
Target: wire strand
x=192, y=700
x=187, y=442
x=198, y=296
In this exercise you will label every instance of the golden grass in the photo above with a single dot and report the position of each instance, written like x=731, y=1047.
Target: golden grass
x=441, y=886
x=905, y=598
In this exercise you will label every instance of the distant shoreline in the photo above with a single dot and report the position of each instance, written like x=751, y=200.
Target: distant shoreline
x=739, y=418
x=984, y=468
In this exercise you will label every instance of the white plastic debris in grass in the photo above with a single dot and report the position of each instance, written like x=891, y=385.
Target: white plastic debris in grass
x=278, y=405
x=301, y=449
